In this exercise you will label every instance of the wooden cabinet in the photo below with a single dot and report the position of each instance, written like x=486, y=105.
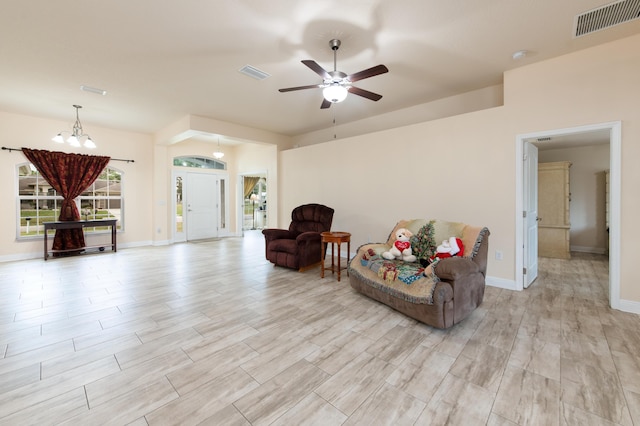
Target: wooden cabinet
x=554, y=198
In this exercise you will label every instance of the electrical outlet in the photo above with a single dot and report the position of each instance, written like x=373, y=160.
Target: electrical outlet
x=498, y=255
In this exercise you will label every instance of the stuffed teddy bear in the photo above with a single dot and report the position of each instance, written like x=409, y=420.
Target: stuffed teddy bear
x=401, y=248
x=449, y=248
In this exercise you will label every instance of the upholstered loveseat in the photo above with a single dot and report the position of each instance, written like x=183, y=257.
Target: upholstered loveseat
x=439, y=294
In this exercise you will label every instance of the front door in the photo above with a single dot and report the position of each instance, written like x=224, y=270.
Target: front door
x=201, y=206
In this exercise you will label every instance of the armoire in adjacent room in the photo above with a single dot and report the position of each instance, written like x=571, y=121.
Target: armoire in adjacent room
x=554, y=197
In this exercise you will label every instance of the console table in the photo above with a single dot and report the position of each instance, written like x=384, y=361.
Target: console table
x=81, y=224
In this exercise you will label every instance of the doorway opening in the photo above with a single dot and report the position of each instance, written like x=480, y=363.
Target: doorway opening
x=526, y=240
x=254, y=201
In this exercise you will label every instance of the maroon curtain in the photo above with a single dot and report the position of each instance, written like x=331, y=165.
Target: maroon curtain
x=69, y=175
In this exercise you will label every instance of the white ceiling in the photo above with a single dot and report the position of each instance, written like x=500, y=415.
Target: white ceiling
x=572, y=140
x=160, y=60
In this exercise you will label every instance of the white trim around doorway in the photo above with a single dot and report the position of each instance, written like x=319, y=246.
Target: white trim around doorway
x=240, y=198
x=615, y=147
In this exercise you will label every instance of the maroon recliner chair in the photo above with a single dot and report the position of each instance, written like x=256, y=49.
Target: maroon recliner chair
x=300, y=246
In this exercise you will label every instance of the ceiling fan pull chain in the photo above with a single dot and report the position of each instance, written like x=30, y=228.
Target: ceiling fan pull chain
x=334, y=124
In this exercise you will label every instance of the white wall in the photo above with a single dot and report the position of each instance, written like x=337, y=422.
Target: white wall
x=147, y=187
x=18, y=131
x=241, y=159
x=462, y=168
x=459, y=168
x=259, y=159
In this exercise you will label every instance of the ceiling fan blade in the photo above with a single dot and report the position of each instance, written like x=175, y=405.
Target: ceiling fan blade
x=365, y=93
x=325, y=104
x=370, y=72
x=289, y=89
x=317, y=69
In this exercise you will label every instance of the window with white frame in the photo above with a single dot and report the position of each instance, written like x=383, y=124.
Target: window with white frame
x=199, y=162
x=38, y=202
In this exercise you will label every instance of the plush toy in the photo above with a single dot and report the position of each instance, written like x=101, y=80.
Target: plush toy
x=449, y=248
x=401, y=248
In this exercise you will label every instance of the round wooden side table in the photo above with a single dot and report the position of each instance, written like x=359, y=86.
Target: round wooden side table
x=334, y=238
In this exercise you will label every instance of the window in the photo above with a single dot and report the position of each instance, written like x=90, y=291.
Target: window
x=199, y=162
x=38, y=202
x=103, y=199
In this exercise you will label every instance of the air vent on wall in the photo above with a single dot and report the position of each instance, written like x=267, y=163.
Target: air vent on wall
x=254, y=72
x=606, y=16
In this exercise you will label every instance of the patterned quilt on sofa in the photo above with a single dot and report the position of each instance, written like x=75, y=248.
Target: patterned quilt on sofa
x=390, y=270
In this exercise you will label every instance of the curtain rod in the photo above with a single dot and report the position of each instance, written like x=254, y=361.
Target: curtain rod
x=4, y=148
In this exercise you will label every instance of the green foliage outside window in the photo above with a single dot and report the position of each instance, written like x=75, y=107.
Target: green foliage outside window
x=39, y=203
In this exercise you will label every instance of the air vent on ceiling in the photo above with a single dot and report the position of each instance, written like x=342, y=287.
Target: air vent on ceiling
x=254, y=72
x=606, y=16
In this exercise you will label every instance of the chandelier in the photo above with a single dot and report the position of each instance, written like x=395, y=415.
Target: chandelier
x=218, y=154
x=77, y=135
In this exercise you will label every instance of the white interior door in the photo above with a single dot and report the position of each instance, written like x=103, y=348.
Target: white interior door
x=530, y=180
x=201, y=206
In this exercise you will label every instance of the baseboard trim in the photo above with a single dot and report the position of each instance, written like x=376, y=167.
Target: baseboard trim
x=630, y=306
x=39, y=254
x=583, y=249
x=135, y=244
x=21, y=256
x=501, y=283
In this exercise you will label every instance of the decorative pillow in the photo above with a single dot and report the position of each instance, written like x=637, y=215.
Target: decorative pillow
x=443, y=230
x=412, y=225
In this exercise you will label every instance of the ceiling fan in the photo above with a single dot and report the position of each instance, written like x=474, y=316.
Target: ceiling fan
x=336, y=84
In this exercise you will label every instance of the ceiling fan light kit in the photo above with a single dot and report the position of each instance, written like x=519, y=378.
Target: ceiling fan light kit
x=336, y=85
x=335, y=93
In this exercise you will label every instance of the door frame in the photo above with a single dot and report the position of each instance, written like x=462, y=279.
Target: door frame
x=222, y=175
x=615, y=163
x=240, y=198
x=177, y=237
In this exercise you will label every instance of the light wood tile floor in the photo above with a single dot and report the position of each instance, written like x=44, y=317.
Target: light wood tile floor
x=211, y=333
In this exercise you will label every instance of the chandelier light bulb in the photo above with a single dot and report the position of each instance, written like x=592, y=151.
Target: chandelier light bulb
x=73, y=141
